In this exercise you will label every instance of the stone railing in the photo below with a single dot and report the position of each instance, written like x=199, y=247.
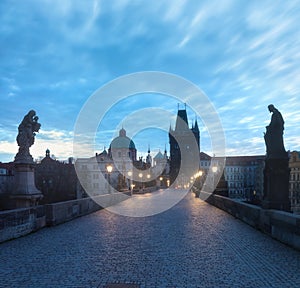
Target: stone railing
x=19, y=222
x=280, y=225
x=57, y=213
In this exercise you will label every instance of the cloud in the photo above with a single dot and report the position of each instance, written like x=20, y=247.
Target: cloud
x=243, y=55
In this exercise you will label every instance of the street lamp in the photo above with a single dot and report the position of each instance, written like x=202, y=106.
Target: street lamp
x=141, y=176
x=161, y=179
x=130, y=177
x=109, y=169
x=214, y=170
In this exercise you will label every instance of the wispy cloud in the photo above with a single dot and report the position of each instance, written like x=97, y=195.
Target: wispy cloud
x=55, y=54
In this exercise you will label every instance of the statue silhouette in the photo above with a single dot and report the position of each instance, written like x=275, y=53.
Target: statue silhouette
x=26, y=133
x=274, y=134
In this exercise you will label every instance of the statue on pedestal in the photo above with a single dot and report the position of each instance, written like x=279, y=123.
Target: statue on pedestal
x=276, y=172
x=25, y=193
x=26, y=133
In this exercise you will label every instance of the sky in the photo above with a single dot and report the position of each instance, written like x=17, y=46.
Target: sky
x=54, y=54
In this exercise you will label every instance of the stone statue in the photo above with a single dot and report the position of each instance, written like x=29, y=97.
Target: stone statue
x=27, y=131
x=274, y=135
x=276, y=171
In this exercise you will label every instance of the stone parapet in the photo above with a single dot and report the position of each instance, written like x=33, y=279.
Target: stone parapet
x=19, y=222
x=280, y=225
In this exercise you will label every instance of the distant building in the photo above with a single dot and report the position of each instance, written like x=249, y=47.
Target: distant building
x=90, y=169
x=6, y=184
x=182, y=141
x=205, y=161
x=244, y=175
x=123, y=152
x=122, y=158
x=161, y=168
x=56, y=180
x=294, y=165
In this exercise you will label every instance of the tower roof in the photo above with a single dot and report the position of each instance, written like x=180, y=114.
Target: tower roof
x=159, y=155
x=181, y=121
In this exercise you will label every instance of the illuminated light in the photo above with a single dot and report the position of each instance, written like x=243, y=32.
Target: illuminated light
x=109, y=168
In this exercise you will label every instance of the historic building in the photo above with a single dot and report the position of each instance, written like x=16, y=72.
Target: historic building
x=161, y=168
x=6, y=184
x=294, y=165
x=117, y=166
x=56, y=180
x=183, y=144
x=244, y=175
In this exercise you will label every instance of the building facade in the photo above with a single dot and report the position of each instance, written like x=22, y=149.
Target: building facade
x=161, y=169
x=56, y=180
x=244, y=175
x=6, y=184
x=294, y=189
x=118, y=168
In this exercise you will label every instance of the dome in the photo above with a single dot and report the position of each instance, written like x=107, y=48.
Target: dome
x=122, y=141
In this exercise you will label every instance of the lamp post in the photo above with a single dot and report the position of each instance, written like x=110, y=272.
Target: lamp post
x=109, y=169
x=141, y=177
x=214, y=170
x=161, y=179
x=130, y=178
x=148, y=177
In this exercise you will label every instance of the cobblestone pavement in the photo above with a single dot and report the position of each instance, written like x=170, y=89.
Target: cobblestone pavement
x=191, y=245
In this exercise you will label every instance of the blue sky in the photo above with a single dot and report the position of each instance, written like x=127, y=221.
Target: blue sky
x=244, y=55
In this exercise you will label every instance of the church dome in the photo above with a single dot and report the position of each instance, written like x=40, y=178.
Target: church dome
x=122, y=141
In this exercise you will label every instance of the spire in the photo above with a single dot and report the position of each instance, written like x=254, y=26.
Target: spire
x=122, y=132
x=196, y=125
x=148, y=148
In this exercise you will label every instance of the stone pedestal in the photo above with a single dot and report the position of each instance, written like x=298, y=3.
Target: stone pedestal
x=276, y=184
x=25, y=194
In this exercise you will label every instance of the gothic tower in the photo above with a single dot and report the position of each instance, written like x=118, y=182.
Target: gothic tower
x=184, y=144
